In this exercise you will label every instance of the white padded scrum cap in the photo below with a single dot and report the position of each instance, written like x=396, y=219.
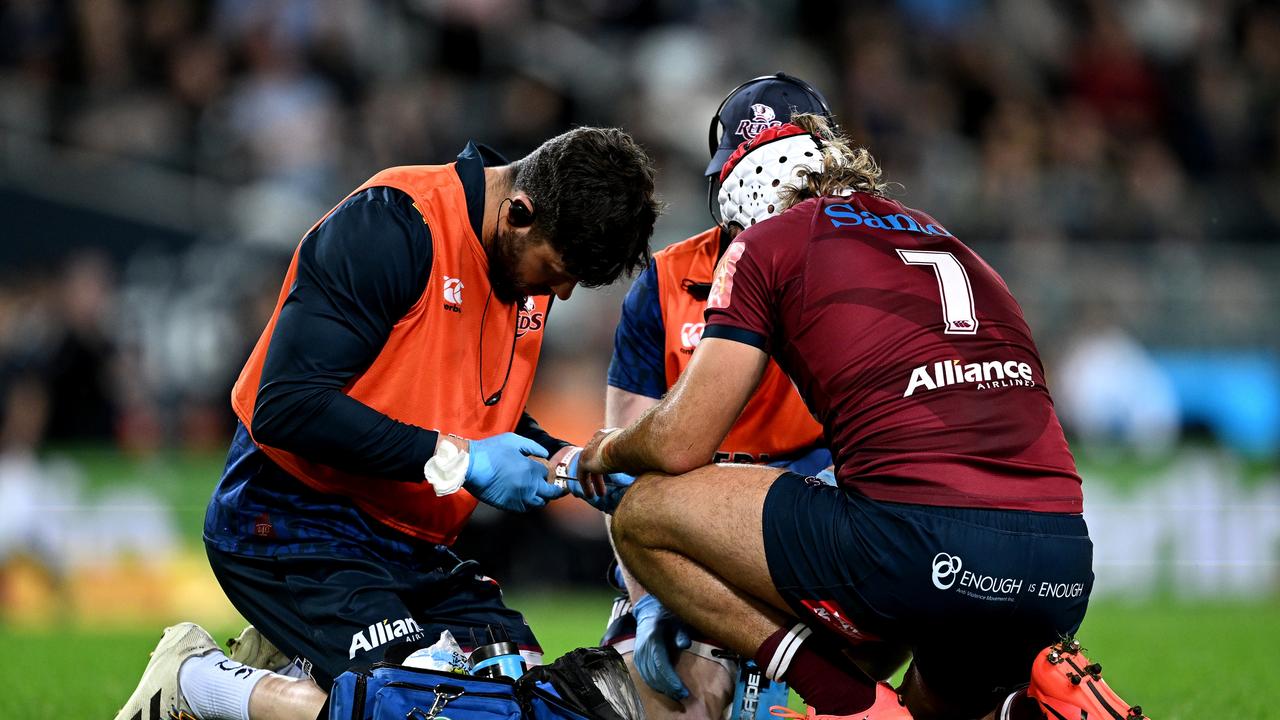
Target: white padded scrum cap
x=749, y=193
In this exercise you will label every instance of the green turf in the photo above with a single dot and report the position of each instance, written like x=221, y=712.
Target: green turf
x=1180, y=661
x=1190, y=661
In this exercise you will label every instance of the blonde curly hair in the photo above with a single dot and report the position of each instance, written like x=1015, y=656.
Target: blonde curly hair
x=846, y=168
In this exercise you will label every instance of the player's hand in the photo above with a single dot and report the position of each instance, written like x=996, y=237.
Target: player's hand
x=503, y=471
x=660, y=638
x=602, y=492
x=590, y=460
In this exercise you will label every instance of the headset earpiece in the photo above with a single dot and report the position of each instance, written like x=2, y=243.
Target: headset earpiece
x=520, y=214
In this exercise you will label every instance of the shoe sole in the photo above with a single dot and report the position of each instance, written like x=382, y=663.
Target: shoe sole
x=1088, y=678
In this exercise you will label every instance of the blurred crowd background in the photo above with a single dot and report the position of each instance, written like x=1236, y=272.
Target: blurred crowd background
x=1118, y=163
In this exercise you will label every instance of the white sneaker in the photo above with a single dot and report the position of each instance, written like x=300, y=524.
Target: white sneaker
x=252, y=649
x=157, y=696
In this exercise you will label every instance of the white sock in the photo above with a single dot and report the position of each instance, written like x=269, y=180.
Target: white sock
x=218, y=688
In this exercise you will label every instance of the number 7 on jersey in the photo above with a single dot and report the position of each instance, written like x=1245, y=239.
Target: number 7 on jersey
x=953, y=284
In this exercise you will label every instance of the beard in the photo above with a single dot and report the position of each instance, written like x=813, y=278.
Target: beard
x=504, y=256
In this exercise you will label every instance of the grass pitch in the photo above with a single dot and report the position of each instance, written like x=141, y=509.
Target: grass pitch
x=1179, y=661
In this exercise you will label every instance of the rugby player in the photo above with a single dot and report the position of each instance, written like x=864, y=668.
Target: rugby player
x=955, y=527
x=384, y=399
x=660, y=325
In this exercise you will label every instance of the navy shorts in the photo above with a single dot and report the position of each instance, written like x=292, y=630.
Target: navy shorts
x=340, y=613
x=975, y=593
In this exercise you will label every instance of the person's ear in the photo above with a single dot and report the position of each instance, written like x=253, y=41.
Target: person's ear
x=520, y=211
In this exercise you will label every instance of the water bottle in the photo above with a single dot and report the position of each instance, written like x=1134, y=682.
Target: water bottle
x=500, y=657
x=755, y=693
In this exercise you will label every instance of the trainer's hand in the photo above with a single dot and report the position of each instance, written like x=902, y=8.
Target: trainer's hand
x=503, y=471
x=554, y=471
x=590, y=461
x=660, y=638
x=811, y=463
x=602, y=492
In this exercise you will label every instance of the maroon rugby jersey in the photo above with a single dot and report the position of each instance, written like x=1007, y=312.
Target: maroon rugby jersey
x=907, y=347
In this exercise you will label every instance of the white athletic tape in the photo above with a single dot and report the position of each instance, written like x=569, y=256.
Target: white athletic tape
x=714, y=653
x=446, y=471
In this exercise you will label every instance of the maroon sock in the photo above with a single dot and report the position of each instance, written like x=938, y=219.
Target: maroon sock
x=813, y=667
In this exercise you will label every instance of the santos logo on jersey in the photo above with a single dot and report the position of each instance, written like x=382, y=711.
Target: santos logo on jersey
x=843, y=214
x=987, y=375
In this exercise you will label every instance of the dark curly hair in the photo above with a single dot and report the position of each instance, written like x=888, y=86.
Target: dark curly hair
x=592, y=193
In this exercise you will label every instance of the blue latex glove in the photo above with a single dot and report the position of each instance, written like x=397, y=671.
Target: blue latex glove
x=501, y=473
x=616, y=485
x=660, y=638
x=811, y=463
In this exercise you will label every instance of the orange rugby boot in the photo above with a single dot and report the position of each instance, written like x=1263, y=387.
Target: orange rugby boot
x=1069, y=687
x=888, y=706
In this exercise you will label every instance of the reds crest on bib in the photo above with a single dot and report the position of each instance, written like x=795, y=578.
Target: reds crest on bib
x=530, y=318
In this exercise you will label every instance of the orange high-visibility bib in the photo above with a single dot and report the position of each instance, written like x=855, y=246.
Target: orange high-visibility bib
x=775, y=423
x=428, y=372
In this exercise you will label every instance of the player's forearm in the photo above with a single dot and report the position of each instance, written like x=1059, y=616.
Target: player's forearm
x=621, y=408
x=656, y=443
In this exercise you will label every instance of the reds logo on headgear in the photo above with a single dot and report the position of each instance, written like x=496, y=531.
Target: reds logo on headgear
x=763, y=118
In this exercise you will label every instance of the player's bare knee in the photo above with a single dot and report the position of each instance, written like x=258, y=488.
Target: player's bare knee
x=619, y=526
x=624, y=527
x=638, y=510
